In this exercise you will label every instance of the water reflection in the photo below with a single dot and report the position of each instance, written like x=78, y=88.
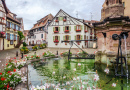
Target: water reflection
x=64, y=73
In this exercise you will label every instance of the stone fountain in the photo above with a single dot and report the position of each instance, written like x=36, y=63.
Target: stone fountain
x=112, y=22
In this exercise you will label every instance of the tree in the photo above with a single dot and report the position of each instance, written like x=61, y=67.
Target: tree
x=21, y=36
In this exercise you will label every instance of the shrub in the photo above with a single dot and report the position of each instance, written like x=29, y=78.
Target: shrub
x=24, y=44
x=25, y=50
x=48, y=54
x=66, y=53
x=35, y=47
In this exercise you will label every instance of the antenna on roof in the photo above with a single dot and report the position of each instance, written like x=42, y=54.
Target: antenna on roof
x=77, y=14
x=91, y=15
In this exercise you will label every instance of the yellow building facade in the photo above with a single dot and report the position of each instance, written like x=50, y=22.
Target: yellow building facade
x=12, y=28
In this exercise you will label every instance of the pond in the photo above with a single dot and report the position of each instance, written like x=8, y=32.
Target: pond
x=72, y=75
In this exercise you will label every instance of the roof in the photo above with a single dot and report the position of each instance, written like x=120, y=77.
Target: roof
x=80, y=20
x=92, y=21
x=26, y=31
x=42, y=22
x=10, y=17
x=3, y=1
x=19, y=19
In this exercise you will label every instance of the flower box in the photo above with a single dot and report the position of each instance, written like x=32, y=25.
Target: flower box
x=3, y=18
x=56, y=31
x=64, y=20
x=2, y=33
x=56, y=41
x=86, y=31
x=91, y=33
x=56, y=20
x=78, y=30
x=66, y=31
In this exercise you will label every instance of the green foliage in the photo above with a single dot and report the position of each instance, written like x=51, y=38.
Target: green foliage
x=25, y=50
x=24, y=44
x=32, y=57
x=66, y=53
x=21, y=36
x=48, y=54
x=9, y=77
x=35, y=48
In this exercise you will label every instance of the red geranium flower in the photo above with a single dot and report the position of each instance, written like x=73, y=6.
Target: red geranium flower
x=6, y=64
x=0, y=73
x=2, y=78
x=31, y=56
x=14, y=57
x=9, y=71
x=14, y=70
x=8, y=86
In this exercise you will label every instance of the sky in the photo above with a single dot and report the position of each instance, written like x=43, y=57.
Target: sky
x=33, y=10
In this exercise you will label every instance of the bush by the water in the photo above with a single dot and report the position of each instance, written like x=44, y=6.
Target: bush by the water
x=66, y=53
x=25, y=50
x=48, y=54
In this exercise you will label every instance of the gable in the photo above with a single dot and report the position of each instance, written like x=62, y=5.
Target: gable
x=69, y=20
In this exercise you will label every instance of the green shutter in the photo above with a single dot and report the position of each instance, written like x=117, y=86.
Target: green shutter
x=63, y=37
x=53, y=38
x=59, y=29
x=69, y=37
x=81, y=27
x=61, y=18
x=70, y=28
x=81, y=37
x=75, y=28
x=59, y=38
x=53, y=29
x=75, y=37
x=63, y=28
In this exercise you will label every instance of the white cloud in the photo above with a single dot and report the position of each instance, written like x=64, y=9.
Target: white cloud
x=33, y=10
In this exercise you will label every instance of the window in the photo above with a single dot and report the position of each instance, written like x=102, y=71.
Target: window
x=16, y=27
x=91, y=37
x=56, y=37
x=12, y=26
x=41, y=35
x=57, y=18
x=78, y=37
x=67, y=28
x=56, y=29
x=8, y=24
x=7, y=45
x=11, y=42
x=78, y=27
x=65, y=18
x=124, y=4
x=67, y=37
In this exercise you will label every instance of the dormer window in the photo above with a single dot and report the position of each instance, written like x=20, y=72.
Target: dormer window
x=57, y=19
x=64, y=19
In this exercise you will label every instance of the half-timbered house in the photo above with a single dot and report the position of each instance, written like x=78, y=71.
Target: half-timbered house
x=64, y=27
x=38, y=33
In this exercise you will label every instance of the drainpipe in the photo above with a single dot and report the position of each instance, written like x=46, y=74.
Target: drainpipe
x=3, y=44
